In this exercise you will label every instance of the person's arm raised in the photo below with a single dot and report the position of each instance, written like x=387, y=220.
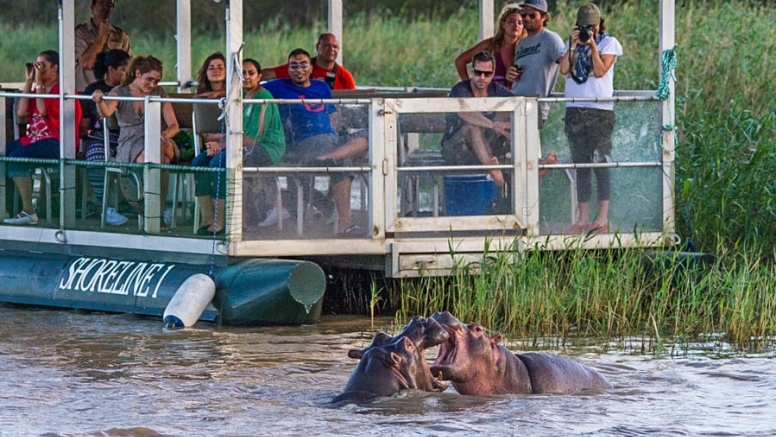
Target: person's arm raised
x=465, y=59
x=89, y=55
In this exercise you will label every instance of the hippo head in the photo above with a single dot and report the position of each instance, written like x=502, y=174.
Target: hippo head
x=424, y=332
x=469, y=358
x=384, y=371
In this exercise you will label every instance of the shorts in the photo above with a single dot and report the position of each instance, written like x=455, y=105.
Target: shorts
x=456, y=150
x=306, y=152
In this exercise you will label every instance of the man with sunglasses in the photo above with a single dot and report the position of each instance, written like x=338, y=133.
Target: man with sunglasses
x=538, y=54
x=310, y=132
x=325, y=66
x=476, y=138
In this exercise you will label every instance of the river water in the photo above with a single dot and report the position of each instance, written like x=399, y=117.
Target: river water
x=69, y=373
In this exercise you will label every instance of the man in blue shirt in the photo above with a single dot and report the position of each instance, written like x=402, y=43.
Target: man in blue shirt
x=310, y=131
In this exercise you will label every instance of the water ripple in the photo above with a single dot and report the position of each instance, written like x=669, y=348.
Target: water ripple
x=67, y=373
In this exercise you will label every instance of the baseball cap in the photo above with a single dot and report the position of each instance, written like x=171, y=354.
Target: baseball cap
x=588, y=15
x=539, y=5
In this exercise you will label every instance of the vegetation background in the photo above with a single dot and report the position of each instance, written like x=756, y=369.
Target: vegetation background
x=726, y=126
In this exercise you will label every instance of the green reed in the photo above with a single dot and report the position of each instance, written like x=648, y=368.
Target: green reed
x=607, y=294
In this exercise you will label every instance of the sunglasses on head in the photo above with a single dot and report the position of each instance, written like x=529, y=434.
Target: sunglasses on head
x=482, y=73
x=295, y=66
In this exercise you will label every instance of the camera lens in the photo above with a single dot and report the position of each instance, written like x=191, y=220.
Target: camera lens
x=584, y=34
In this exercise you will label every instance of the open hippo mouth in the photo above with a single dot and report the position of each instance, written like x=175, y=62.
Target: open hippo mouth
x=445, y=362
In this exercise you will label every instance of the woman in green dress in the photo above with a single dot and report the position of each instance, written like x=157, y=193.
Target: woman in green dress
x=264, y=145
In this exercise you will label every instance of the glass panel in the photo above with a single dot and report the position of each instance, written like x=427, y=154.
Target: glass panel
x=323, y=203
x=433, y=140
x=636, y=192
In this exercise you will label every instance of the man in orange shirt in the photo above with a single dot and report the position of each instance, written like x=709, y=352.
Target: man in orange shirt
x=325, y=67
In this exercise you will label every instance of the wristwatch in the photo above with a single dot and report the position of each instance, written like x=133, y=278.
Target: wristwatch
x=40, y=87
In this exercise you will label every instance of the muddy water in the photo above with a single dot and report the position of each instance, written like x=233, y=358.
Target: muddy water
x=65, y=373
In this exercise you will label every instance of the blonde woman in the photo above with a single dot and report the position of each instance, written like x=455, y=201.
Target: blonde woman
x=502, y=45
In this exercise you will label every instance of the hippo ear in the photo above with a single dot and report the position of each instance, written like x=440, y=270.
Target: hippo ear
x=409, y=345
x=380, y=339
x=355, y=353
x=497, y=339
x=396, y=360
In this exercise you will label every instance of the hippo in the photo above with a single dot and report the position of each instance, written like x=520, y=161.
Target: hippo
x=424, y=333
x=479, y=365
x=383, y=371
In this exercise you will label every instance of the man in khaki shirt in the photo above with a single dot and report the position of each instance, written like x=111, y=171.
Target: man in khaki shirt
x=95, y=36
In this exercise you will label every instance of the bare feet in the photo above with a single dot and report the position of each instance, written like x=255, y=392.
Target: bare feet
x=496, y=174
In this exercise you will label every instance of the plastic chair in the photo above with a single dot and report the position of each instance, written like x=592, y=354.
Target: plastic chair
x=111, y=172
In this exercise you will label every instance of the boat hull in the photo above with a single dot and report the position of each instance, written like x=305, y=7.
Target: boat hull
x=248, y=291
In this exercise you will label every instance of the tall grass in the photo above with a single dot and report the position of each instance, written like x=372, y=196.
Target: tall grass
x=609, y=294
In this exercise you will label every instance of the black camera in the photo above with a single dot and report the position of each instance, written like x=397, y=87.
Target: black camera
x=519, y=69
x=585, y=32
x=29, y=64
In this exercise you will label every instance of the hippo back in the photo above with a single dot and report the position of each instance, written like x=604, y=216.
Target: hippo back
x=558, y=374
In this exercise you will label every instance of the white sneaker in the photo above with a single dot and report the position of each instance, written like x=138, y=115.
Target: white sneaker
x=114, y=218
x=22, y=219
x=272, y=217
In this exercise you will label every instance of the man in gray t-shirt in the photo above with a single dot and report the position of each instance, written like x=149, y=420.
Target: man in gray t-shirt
x=538, y=55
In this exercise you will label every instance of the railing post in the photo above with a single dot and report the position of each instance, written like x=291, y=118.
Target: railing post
x=3, y=175
x=154, y=203
x=68, y=142
x=486, y=19
x=385, y=130
x=335, y=24
x=183, y=44
x=668, y=120
x=234, y=126
x=530, y=152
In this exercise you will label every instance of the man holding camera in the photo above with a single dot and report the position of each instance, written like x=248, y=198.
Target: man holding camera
x=589, y=66
x=537, y=55
x=95, y=36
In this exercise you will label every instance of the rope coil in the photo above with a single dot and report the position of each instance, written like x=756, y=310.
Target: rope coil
x=668, y=65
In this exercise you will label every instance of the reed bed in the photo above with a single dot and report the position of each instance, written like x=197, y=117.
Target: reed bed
x=607, y=294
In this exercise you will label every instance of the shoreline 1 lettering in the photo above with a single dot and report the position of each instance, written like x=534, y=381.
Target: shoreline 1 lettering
x=99, y=275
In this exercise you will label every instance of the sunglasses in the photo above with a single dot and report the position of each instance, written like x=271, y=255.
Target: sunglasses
x=296, y=66
x=482, y=73
x=530, y=15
